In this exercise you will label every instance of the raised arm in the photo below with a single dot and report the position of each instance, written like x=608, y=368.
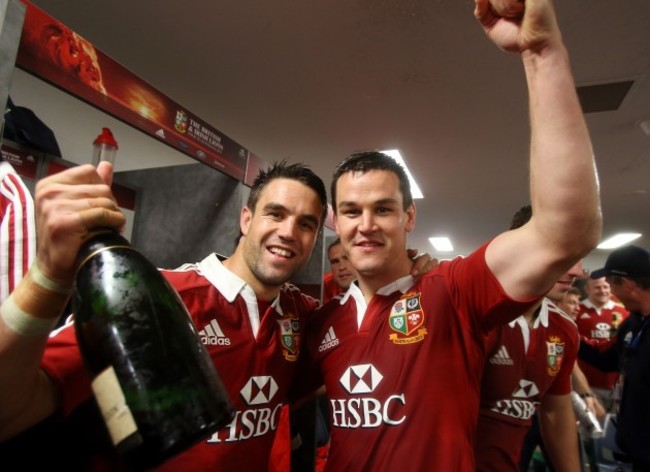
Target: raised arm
x=68, y=206
x=566, y=222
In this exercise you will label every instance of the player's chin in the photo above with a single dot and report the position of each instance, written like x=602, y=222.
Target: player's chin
x=277, y=278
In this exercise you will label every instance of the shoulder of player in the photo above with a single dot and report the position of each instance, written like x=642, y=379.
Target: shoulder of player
x=293, y=292
x=185, y=278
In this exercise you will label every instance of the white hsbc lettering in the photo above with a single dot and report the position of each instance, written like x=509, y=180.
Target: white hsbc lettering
x=367, y=412
x=522, y=409
x=248, y=424
x=599, y=334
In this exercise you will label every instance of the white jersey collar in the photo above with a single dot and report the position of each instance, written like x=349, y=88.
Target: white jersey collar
x=401, y=284
x=541, y=319
x=230, y=285
x=608, y=306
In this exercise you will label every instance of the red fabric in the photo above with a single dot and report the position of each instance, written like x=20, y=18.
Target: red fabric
x=516, y=380
x=321, y=457
x=403, y=388
x=599, y=326
x=280, y=460
x=330, y=288
x=17, y=229
x=265, y=364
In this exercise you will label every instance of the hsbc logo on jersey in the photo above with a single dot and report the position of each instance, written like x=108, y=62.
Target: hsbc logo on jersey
x=257, y=421
x=365, y=411
x=259, y=390
x=362, y=378
x=601, y=331
x=519, y=406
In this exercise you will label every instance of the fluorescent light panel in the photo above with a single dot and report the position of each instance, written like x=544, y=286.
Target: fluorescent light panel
x=618, y=240
x=415, y=190
x=441, y=244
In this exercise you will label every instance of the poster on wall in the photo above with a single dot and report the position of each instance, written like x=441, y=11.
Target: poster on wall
x=53, y=52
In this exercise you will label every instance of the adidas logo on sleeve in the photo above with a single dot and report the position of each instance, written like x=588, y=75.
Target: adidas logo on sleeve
x=211, y=335
x=330, y=340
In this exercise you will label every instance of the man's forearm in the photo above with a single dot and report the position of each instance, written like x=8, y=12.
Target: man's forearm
x=26, y=395
x=559, y=432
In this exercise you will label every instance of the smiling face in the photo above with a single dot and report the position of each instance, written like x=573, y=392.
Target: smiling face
x=570, y=304
x=279, y=235
x=598, y=291
x=372, y=224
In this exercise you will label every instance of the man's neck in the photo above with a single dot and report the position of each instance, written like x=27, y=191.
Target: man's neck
x=238, y=266
x=532, y=312
x=371, y=283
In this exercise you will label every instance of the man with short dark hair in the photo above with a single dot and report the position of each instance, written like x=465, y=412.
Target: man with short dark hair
x=242, y=307
x=402, y=360
x=627, y=270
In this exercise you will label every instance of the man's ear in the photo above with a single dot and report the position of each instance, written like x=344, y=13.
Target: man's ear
x=410, y=218
x=245, y=219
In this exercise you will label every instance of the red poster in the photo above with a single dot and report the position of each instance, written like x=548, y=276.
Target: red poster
x=53, y=52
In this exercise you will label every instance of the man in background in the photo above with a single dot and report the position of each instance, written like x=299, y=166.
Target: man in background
x=627, y=270
x=342, y=273
x=598, y=319
x=570, y=303
x=529, y=370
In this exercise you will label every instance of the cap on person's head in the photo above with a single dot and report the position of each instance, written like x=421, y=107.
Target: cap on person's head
x=629, y=261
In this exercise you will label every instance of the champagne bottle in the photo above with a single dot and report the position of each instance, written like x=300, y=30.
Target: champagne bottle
x=154, y=382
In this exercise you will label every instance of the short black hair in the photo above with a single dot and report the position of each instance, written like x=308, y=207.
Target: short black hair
x=522, y=217
x=336, y=242
x=372, y=160
x=281, y=170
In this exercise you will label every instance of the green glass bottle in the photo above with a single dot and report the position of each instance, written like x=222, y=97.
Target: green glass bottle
x=153, y=379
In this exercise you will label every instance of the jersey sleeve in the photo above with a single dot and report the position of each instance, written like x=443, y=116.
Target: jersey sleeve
x=17, y=230
x=562, y=383
x=477, y=291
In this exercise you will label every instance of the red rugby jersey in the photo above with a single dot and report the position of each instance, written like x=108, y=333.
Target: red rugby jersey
x=599, y=325
x=252, y=353
x=523, y=365
x=403, y=385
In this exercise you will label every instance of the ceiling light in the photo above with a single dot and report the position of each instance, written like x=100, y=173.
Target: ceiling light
x=618, y=240
x=415, y=190
x=441, y=244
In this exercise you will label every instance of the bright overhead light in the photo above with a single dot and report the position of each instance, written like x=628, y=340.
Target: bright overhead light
x=618, y=240
x=441, y=244
x=415, y=190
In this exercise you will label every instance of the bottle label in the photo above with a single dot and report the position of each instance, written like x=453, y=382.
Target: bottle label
x=112, y=404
